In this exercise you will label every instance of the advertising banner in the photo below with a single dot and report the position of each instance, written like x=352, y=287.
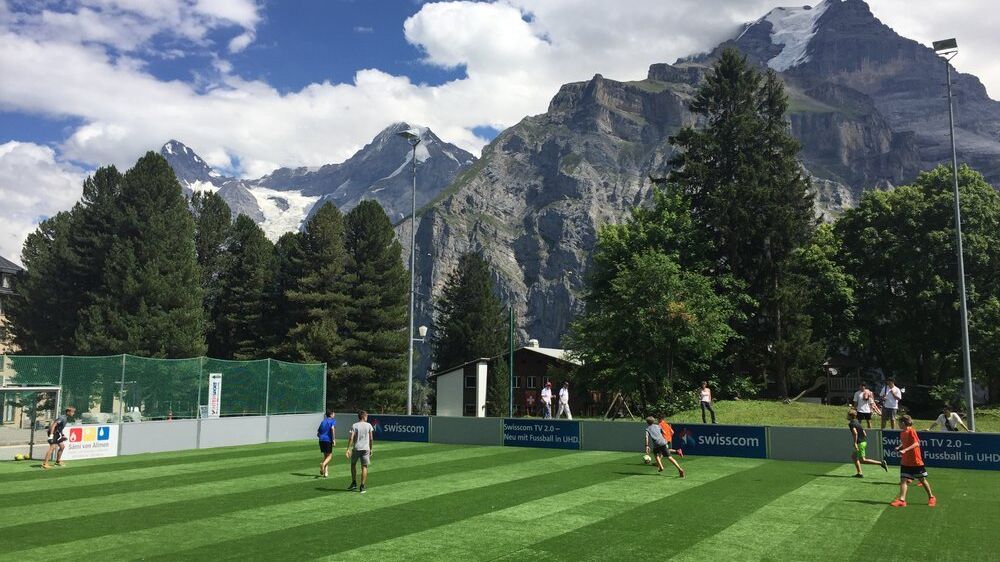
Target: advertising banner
x=91, y=442
x=400, y=428
x=949, y=449
x=214, y=395
x=553, y=434
x=721, y=440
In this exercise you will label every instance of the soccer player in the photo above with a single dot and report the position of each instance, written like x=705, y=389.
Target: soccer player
x=564, y=402
x=668, y=434
x=860, y=439
x=863, y=400
x=547, y=400
x=359, y=449
x=56, y=439
x=654, y=434
x=705, y=394
x=891, y=395
x=326, y=433
x=911, y=464
x=948, y=420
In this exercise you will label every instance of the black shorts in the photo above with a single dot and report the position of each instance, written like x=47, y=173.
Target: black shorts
x=326, y=447
x=56, y=439
x=912, y=472
x=661, y=450
x=864, y=415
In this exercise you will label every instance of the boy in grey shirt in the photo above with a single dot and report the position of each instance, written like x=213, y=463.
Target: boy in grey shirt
x=654, y=433
x=359, y=448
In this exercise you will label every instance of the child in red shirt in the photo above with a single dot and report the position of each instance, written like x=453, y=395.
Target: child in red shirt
x=911, y=465
x=668, y=434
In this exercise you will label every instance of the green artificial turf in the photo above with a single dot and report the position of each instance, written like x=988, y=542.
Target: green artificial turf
x=452, y=502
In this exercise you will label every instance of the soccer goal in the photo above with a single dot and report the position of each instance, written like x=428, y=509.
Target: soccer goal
x=25, y=411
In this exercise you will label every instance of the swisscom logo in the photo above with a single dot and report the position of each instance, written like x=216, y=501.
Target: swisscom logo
x=397, y=427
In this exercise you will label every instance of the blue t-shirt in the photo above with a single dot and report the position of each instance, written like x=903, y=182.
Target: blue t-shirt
x=325, y=431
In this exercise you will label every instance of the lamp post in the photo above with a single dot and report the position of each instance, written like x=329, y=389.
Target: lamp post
x=412, y=136
x=947, y=49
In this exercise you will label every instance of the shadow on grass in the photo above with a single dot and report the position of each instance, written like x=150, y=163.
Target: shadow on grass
x=304, y=475
x=341, y=490
x=869, y=502
x=638, y=473
x=831, y=475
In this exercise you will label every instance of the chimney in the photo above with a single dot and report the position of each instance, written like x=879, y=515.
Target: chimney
x=532, y=343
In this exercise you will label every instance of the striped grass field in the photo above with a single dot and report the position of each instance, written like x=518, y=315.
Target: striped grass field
x=450, y=502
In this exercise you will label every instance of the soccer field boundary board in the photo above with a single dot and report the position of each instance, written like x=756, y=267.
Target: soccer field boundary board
x=549, y=434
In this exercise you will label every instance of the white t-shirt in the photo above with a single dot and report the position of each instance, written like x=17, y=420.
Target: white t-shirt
x=706, y=395
x=564, y=396
x=862, y=401
x=547, y=395
x=892, y=396
x=954, y=420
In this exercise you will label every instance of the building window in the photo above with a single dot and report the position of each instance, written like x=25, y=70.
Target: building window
x=517, y=382
x=470, y=409
x=5, y=282
x=470, y=381
x=532, y=382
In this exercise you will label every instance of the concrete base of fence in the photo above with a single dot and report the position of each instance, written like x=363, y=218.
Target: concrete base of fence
x=467, y=430
x=822, y=444
x=612, y=436
x=158, y=436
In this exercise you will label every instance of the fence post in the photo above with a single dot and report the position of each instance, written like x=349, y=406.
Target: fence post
x=201, y=372
x=121, y=394
x=267, y=392
x=323, y=403
x=59, y=395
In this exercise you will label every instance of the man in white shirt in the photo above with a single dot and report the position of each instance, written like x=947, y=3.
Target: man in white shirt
x=564, y=401
x=359, y=449
x=863, y=399
x=948, y=420
x=891, y=395
x=547, y=401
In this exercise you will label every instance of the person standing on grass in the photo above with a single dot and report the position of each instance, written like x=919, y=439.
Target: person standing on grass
x=547, y=401
x=705, y=394
x=327, y=441
x=863, y=400
x=860, y=439
x=949, y=421
x=911, y=464
x=654, y=434
x=57, y=438
x=891, y=395
x=359, y=449
x=564, y=401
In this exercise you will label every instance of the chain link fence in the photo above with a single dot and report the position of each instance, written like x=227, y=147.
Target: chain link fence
x=131, y=389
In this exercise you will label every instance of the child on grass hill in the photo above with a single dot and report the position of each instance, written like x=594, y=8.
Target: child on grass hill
x=860, y=439
x=654, y=433
x=911, y=464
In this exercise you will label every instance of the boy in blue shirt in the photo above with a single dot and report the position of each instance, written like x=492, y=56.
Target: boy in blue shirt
x=327, y=441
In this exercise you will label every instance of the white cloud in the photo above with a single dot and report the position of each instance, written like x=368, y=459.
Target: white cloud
x=34, y=185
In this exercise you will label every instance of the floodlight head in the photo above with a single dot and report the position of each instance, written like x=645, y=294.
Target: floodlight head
x=946, y=47
x=411, y=135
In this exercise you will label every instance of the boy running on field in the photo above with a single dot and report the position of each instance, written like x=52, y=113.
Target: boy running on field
x=359, y=449
x=654, y=433
x=668, y=434
x=327, y=441
x=860, y=439
x=911, y=464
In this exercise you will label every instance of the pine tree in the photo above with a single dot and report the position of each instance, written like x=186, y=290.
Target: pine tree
x=470, y=322
x=288, y=270
x=374, y=375
x=242, y=301
x=319, y=301
x=212, y=226
x=751, y=202
x=149, y=298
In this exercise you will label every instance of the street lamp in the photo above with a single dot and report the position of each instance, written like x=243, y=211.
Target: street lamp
x=947, y=49
x=412, y=136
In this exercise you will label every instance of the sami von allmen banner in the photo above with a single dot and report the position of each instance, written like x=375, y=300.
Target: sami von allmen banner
x=91, y=442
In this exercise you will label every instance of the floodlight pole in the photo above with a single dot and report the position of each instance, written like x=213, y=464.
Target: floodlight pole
x=966, y=355
x=414, y=140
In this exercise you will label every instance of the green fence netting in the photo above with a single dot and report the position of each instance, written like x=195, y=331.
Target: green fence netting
x=131, y=388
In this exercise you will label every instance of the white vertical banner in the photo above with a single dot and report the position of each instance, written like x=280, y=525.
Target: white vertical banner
x=214, y=395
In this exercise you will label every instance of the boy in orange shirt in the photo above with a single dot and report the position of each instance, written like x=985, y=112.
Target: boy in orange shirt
x=668, y=434
x=911, y=465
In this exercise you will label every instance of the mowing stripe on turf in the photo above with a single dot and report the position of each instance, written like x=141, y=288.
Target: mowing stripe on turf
x=246, y=479
x=494, y=534
x=325, y=504
x=318, y=539
x=715, y=506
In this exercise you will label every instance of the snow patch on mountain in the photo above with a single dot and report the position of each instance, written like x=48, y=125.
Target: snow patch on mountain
x=205, y=186
x=793, y=28
x=283, y=211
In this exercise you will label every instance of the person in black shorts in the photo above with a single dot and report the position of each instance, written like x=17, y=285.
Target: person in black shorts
x=654, y=435
x=57, y=438
x=326, y=433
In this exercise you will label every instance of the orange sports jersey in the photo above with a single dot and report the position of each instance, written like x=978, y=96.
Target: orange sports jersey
x=913, y=457
x=668, y=432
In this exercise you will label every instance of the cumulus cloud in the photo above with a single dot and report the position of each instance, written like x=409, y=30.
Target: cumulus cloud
x=34, y=185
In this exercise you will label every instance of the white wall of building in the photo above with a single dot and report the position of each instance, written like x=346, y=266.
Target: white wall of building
x=481, y=389
x=449, y=393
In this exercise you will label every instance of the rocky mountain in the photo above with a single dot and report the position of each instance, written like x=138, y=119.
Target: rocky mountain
x=281, y=200
x=866, y=104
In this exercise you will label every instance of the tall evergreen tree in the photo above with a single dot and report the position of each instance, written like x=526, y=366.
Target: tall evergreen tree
x=751, y=201
x=374, y=375
x=240, y=330
x=149, y=299
x=470, y=321
x=288, y=270
x=212, y=226
x=319, y=299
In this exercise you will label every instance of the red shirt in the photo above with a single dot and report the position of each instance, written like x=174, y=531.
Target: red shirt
x=913, y=457
x=668, y=432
